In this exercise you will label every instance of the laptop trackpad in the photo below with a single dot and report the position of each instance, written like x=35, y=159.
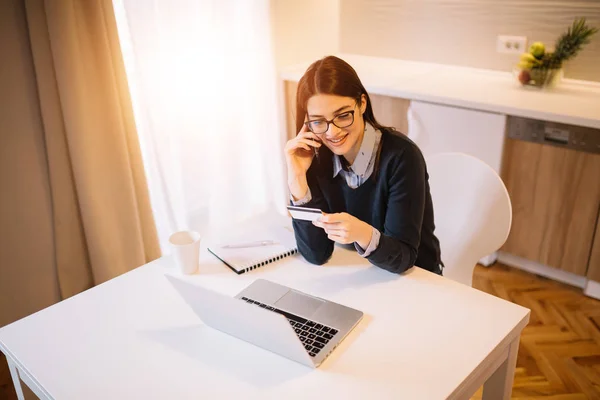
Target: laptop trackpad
x=298, y=303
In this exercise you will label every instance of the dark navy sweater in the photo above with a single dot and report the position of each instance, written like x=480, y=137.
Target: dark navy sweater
x=395, y=200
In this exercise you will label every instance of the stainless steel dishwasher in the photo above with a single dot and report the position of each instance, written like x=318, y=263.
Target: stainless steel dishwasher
x=578, y=138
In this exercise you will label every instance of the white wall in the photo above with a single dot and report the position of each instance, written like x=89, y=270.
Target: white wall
x=463, y=32
x=305, y=30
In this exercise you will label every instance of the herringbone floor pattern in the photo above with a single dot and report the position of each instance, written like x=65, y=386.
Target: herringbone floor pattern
x=559, y=355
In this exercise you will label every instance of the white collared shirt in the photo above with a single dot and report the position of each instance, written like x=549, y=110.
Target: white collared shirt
x=357, y=174
x=362, y=167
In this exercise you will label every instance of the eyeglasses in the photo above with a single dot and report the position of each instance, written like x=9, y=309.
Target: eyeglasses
x=320, y=126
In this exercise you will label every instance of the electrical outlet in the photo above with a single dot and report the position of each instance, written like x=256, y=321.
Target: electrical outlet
x=511, y=44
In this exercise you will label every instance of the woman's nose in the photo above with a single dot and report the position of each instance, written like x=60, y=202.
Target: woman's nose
x=332, y=130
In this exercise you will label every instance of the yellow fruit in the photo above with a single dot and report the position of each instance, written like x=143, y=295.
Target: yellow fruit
x=527, y=57
x=524, y=65
x=527, y=61
x=537, y=49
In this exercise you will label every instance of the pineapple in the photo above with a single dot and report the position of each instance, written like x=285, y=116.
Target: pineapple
x=570, y=43
x=544, y=67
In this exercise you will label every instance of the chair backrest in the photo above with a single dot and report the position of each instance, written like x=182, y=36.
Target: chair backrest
x=472, y=211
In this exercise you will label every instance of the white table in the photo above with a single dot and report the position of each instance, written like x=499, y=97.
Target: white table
x=423, y=337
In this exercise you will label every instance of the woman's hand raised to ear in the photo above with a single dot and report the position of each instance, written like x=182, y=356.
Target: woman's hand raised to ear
x=299, y=153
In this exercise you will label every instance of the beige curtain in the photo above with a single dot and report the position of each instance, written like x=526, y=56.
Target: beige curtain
x=102, y=218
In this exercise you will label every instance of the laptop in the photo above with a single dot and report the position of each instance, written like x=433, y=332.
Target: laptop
x=295, y=325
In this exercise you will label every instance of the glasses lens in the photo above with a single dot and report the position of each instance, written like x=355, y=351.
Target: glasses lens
x=318, y=126
x=344, y=120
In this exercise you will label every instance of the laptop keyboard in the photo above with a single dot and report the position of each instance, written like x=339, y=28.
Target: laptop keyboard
x=313, y=335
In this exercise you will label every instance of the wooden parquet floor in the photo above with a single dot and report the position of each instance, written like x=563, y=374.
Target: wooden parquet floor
x=559, y=354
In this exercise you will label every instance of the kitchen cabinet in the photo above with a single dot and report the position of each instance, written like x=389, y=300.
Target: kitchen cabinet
x=555, y=194
x=593, y=271
x=290, y=108
x=438, y=128
x=391, y=111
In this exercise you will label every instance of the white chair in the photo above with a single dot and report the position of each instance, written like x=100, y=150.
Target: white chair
x=472, y=210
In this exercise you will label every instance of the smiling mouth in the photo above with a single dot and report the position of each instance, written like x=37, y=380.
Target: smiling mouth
x=338, y=140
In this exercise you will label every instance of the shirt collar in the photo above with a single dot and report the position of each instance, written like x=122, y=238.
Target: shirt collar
x=364, y=156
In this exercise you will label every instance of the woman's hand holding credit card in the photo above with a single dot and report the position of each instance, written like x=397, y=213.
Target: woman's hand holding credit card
x=340, y=227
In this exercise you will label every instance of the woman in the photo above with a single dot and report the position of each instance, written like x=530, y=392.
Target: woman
x=370, y=182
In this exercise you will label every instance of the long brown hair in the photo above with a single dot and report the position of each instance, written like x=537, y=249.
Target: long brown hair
x=332, y=75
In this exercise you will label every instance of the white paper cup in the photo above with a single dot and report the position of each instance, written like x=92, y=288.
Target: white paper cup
x=186, y=250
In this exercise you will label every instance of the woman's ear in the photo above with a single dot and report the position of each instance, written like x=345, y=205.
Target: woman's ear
x=363, y=104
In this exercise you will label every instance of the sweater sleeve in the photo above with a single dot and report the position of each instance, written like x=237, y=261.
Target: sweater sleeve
x=399, y=242
x=313, y=243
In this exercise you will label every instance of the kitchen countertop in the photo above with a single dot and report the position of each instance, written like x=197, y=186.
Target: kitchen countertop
x=571, y=102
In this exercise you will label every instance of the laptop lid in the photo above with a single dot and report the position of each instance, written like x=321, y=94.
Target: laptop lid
x=262, y=328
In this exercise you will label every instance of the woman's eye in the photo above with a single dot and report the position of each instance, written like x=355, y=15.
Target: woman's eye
x=317, y=124
x=344, y=116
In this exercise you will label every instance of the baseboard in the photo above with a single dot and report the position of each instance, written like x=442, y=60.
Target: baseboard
x=544, y=270
x=489, y=260
x=592, y=289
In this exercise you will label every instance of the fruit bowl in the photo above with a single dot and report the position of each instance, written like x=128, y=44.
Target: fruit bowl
x=541, y=68
x=539, y=77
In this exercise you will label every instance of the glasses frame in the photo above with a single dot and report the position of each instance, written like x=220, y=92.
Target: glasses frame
x=307, y=123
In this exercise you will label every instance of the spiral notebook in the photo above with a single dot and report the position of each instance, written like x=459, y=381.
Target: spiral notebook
x=251, y=254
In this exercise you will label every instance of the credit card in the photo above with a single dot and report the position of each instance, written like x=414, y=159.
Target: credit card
x=304, y=213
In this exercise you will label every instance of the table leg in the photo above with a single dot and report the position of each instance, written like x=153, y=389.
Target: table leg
x=499, y=384
x=16, y=380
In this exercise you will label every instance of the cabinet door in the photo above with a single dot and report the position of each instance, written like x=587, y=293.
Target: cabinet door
x=437, y=129
x=389, y=111
x=593, y=271
x=555, y=195
x=290, y=108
